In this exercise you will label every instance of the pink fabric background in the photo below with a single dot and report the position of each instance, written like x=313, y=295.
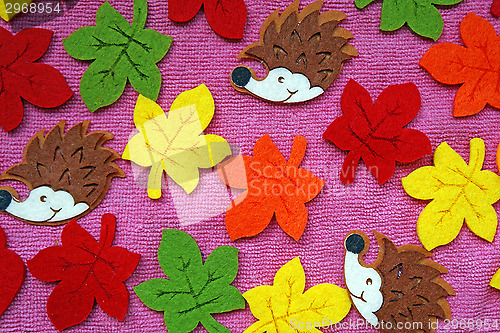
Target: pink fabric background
x=198, y=56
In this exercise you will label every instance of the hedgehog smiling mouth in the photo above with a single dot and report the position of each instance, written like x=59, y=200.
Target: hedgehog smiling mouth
x=291, y=94
x=359, y=297
x=56, y=211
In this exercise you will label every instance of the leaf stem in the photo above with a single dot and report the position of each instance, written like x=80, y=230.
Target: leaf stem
x=298, y=151
x=212, y=325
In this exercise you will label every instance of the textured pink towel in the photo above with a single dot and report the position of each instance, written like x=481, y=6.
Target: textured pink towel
x=198, y=56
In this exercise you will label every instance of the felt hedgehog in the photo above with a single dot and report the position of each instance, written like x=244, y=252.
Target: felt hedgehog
x=67, y=174
x=401, y=291
x=303, y=52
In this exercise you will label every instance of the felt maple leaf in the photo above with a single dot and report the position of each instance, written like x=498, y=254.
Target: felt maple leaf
x=421, y=15
x=88, y=271
x=495, y=280
x=20, y=76
x=12, y=273
x=273, y=186
x=458, y=192
x=474, y=66
x=284, y=306
x=495, y=8
x=374, y=131
x=121, y=52
x=226, y=17
x=176, y=144
x=194, y=290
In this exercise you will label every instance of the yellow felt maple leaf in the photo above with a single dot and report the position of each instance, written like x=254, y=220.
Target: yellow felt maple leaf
x=284, y=307
x=495, y=281
x=459, y=192
x=8, y=11
x=176, y=144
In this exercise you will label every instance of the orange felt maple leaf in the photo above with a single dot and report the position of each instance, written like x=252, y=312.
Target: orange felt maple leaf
x=476, y=66
x=273, y=186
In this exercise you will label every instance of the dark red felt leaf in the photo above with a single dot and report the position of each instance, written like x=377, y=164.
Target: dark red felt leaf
x=183, y=10
x=226, y=17
x=12, y=273
x=87, y=270
x=39, y=84
x=495, y=8
x=374, y=131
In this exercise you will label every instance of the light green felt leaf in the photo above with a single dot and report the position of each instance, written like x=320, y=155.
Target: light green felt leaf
x=140, y=14
x=446, y=2
x=362, y=3
x=393, y=16
x=81, y=44
x=426, y=21
x=121, y=51
x=193, y=291
x=155, y=43
x=421, y=15
x=105, y=74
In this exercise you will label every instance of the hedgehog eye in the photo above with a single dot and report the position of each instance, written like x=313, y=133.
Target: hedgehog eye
x=43, y=198
x=369, y=282
x=281, y=79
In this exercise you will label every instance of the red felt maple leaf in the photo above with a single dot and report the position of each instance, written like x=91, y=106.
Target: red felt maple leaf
x=374, y=131
x=476, y=66
x=273, y=186
x=226, y=17
x=88, y=270
x=20, y=76
x=12, y=273
x=495, y=8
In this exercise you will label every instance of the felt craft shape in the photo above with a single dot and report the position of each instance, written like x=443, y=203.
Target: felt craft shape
x=272, y=186
x=498, y=157
x=120, y=52
x=495, y=280
x=458, y=192
x=68, y=175
x=374, y=131
x=226, y=17
x=402, y=285
x=194, y=290
x=88, y=271
x=303, y=52
x=176, y=144
x=421, y=16
x=12, y=273
x=495, y=8
x=474, y=66
x=20, y=76
x=284, y=306
x=7, y=11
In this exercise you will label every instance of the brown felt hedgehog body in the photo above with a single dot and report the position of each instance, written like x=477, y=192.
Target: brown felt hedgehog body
x=303, y=51
x=67, y=175
x=401, y=291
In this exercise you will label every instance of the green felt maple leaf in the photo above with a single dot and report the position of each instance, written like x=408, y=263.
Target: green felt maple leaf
x=121, y=51
x=194, y=290
x=421, y=15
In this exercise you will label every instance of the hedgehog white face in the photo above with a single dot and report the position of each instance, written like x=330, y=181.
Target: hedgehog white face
x=280, y=85
x=363, y=283
x=43, y=205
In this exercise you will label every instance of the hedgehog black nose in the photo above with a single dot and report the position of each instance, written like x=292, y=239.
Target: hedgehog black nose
x=5, y=199
x=355, y=243
x=241, y=76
